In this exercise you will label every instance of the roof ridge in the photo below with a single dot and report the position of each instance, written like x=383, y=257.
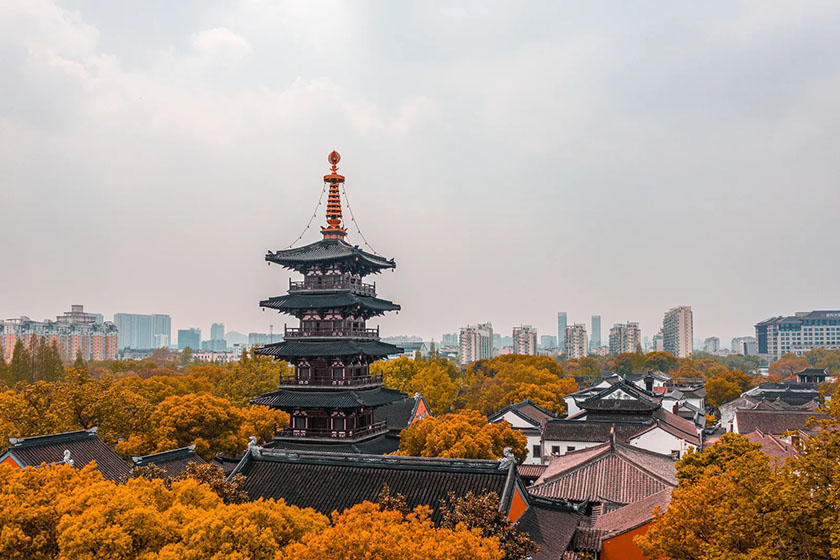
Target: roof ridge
x=47, y=439
x=181, y=451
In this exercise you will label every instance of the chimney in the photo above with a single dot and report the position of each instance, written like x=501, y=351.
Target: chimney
x=676, y=408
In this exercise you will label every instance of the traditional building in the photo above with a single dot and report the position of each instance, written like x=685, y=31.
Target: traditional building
x=344, y=480
x=528, y=418
x=332, y=395
x=173, y=462
x=73, y=448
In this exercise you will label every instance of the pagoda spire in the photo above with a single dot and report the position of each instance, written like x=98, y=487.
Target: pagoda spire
x=333, y=229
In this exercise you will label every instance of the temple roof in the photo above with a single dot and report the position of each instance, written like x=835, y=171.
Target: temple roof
x=84, y=446
x=329, y=348
x=331, y=482
x=621, y=397
x=307, y=398
x=301, y=301
x=173, y=461
x=608, y=472
x=331, y=251
x=528, y=410
x=384, y=444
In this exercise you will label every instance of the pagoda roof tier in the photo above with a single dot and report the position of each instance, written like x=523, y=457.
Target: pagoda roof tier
x=331, y=251
x=290, y=398
x=291, y=303
x=384, y=444
x=328, y=348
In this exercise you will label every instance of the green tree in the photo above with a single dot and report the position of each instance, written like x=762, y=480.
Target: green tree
x=20, y=368
x=3, y=366
x=47, y=363
x=186, y=356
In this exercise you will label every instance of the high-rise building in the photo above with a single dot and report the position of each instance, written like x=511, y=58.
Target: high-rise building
x=261, y=339
x=525, y=340
x=576, y=341
x=746, y=345
x=803, y=331
x=548, y=342
x=595, y=335
x=75, y=332
x=658, y=343
x=561, y=331
x=217, y=331
x=143, y=332
x=624, y=338
x=449, y=340
x=475, y=342
x=711, y=345
x=189, y=338
x=678, y=331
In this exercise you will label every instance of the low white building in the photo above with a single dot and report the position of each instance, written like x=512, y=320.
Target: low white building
x=528, y=418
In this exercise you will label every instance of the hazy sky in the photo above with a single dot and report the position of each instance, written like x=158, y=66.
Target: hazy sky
x=516, y=159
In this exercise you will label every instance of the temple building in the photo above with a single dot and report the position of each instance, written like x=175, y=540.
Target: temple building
x=332, y=395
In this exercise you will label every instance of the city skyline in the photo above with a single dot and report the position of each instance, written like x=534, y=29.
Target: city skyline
x=147, y=153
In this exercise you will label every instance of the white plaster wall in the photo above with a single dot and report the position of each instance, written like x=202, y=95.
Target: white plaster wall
x=659, y=441
x=564, y=445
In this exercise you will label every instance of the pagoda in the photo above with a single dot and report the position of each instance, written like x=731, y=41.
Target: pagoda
x=332, y=395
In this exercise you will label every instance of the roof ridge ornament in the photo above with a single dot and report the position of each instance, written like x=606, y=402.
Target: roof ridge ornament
x=507, y=459
x=333, y=229
x=68, y=459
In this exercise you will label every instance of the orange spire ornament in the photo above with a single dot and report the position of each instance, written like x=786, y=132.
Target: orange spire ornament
x=333, y=230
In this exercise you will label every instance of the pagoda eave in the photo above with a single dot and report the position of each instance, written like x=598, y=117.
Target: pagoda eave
x=309, y=399
x=321, y=349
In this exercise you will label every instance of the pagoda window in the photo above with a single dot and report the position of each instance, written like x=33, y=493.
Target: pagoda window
x=339, y=423
x=299, y=422
x=337, y=372
x=303, y=372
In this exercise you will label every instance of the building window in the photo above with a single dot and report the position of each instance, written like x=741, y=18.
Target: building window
x=338, y=423
x=537, y=451
x=299, y=422
x=303, y=372
x=570, y=448
x=555, y=450
x=337, y=372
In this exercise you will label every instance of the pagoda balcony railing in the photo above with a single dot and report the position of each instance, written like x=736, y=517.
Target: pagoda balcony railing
x=326, y=381
x=330, y=332
x=326, y=283
x=351, y=433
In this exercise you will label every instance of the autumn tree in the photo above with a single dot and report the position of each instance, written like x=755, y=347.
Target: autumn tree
x=661, y=361
x=60, y=512
x=720, y=391
x=629, y=362
x=366, y=532
x=823, y=358
x=483, y=513
x=210, y=423
x=489, y=390
x=433, y=377
x=465, y=434
x=733, y=502
x=787, y=365
x=3, y=366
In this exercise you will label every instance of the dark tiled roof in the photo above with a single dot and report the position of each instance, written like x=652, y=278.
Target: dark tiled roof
x=380, y=445
x=591, y=430
x=609, y=472
x=551, y=525
x=639, y=401
x=330, y=251
x=529, y=411
x=311, y=349
x=632, y=515
x=173, y=462
x=331, y=482
x=304, y=398
x=84, y=446
x=397, y=414
x=302, y=301
x=774, y=422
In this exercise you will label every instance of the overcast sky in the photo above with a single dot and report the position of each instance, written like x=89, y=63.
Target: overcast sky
x=516, y=159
